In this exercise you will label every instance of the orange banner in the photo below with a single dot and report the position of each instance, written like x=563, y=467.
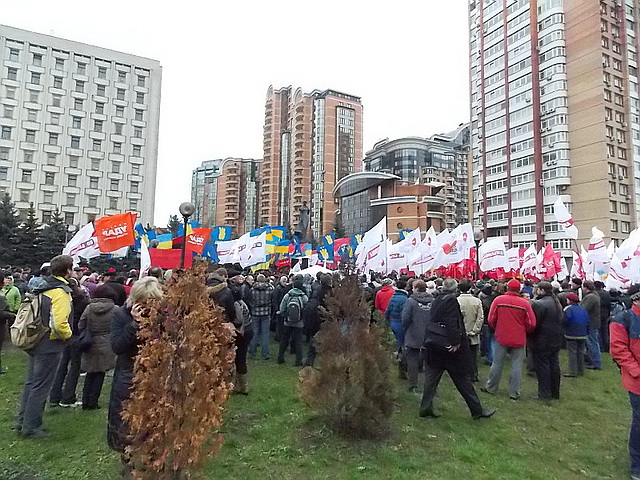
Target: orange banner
x=198, y=239
x=115, y=232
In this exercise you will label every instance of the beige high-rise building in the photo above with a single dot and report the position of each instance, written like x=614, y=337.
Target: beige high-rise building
x=555, y=111
x=311, y=140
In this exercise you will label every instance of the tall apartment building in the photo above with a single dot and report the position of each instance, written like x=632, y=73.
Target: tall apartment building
x=78, y=127
x=225, y=192
x=440, y=159
x=311, y=141
x=554, y=112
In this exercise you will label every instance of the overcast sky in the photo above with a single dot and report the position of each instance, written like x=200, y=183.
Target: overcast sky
x=408, y=60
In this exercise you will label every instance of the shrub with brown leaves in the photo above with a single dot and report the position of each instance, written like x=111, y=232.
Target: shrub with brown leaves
x=351, y=386
x=181, y=382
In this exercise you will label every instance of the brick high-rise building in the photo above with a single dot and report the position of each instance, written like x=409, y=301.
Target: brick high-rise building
x=225, y=191
x=311, y=141
x=555, y=111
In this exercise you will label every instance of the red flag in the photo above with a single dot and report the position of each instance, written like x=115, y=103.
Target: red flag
x=115, y=232
x=549, y=261
x=198, y=239
x=169, y=258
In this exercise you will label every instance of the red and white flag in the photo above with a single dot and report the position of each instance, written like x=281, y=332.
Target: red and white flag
x=83, y=244
x=515, y=261
x=564, y=218
x=493, y=255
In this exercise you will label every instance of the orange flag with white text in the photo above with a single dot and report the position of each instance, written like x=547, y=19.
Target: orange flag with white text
x=115, y=232
x=197, y=239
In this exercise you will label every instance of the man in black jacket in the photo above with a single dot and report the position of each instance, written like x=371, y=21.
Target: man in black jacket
x=605, y=313
x=220, y=294
x=454, y=358
x=545, y=342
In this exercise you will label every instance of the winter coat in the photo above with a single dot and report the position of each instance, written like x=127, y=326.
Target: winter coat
x=383, y=297
x=220, y=294
x=548, y=332
x=415, y=314
x=118, y=288
x=312, y=315
x=261, y=294
x=80, y=302
x=294, y=292
x=624, y=331
x=473, y=315
x=591, y=303
x=278, y=294
x=124, y=344
x=97, y=318
x=445, y=309
x=394, y=310
x=605, y=305
x=575, y=322
x=511, y=318
x=12, y=296
x=486, y=305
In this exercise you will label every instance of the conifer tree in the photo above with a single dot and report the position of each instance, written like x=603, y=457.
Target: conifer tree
x=338, y=227
x=27, y=240
x=174, y=224
x=8, y=226
x=52, y=238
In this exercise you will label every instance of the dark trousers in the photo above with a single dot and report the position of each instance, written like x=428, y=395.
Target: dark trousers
x=296, y=334
x=242, y=346
x=413, y=358
x=474, y=361
x=547, y=363
x=66, y=381
x=634, y=434
x=604, y=334
x=92, y=388
x=463, y=383
x=40, y=376
x=575, y=352
x=311, y=353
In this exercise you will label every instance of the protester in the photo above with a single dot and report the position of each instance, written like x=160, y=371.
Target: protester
x=591, y=303
x=279, y=292
x=244, y=335
x=393, y=315
x=605, y=313
x=455, y=358
x=111, y=277
x=38, y=281
x=291, y=308
x=312, y=314
x=99, y=358
x=473, y=315
x=625, y=350
x=546, y=340
x=6, y=315
x=576, y=329
x=45, y=357
x=511, y=318
x=415, y=315
x=10, y=292
x=261, y=295
x=383, y=296
x=20, y=284
x=125, y=344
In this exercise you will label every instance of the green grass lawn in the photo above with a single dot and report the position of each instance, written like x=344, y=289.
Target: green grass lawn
x=271, y=434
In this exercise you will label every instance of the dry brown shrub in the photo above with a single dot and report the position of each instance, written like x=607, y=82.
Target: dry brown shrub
x=351, y=387
x=181, y=382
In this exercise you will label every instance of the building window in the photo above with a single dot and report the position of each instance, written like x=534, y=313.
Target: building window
x=47, y=197
x=12, y=73
x=118, y=127
x=4, y=153
x=614, y=225
x=139, y=97
x=137, y=132
x=24, y=195
x=78, y=104
x=135, y=187
x=624, y=208
x=71, y=199
x=34, y=97
x=133, y=205
x=97, y=145
x=101, y=91
x=95, y=164
x=135, y=169
x=32, y=115
x=82, y=68
x=72, y=181
x=14, y=55
x=59, y=63
x=56, y=100
x=139, y=115
x=99, y=107
x=114, y=185
x=613, y=206
x=79, y=86
x=7, y=111
x=75, y=142
x=93, y=201
x=37, y=59
x=115, y=167
x=612, y=188
x=623, y=189
x=5, y=133
x=93, y=182
x=28, y=156
x=70, y=218
x=113, y=203
x=137, y=151
x=102, y=72
x=53, y=139
x=52, y=158
x=30, y=136
x=55, y=119
x=49, y=178
x=74, y=161
x=26, y=176
x=35, y=78
x=119, y=111
x=46, y=217
x=120, y=94
x=76, y=122
x=122, y=77
x=97, y=125
x=141, y=80
x=117, y=147
x=4, y=173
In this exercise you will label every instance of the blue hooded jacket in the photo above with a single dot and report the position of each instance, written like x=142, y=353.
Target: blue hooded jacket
x=393, y=314
x=575, y=322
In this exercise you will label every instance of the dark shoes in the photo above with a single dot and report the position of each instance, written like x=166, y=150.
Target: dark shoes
x=36, y=434
x=569, y=375
x=592, y=367
x=485, y=414
x=484, y=390
x=429, y=413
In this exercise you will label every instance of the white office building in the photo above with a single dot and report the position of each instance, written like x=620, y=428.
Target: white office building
x=78, y=128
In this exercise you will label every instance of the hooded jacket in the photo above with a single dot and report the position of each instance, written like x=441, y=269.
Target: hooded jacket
x=625, y=348
x=56, y=311
x=591, y=303
x=97, y=318
x=383, y=297
x=294, y=292
x=220, y=294
x=511, y=318
x=415, y=316
x=393, y=313
x=548, y=332
x=261, y=294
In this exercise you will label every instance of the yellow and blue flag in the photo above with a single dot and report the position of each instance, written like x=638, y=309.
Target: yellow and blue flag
x=402, y=234
x=329, y=239
x=139, y=235
x=190, y=227
x=165, y=241
x=222, y=233
x=325, y=253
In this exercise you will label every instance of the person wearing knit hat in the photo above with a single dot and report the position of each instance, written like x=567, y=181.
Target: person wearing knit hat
x=575, y=322
x=511, y=318
x=261, y=298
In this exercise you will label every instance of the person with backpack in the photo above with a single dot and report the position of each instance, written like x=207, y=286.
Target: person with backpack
x=261, y=296
x=415, y=314
x=55, y=316
x=625, y=350
x=291, y=308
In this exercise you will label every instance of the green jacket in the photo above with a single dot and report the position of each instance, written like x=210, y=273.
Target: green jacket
x=13, y=297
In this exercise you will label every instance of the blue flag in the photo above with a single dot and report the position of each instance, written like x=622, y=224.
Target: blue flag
x=222, y=234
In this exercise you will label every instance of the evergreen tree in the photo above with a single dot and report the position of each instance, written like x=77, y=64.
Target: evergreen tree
x=338, y=227
x=52, y=238
x=8, y=227
x=27, y=241
x=173, y=225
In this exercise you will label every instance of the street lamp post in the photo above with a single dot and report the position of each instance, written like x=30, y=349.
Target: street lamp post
x=186, y=209
x=478, y=236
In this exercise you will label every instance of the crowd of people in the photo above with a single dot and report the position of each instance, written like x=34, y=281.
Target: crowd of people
x=440, y=325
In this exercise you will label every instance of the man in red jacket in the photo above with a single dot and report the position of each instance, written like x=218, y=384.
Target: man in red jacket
x=511, y=318
x=625, y=350
x=384, y=295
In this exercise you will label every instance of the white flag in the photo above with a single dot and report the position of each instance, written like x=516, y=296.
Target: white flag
x=83, y=244
x=226, y=251
x=456, y=246
x=256, y=251
x=397, y=257
x=564, y=218
x=529, y=261
x=425, y=254
x=493, y=254
x=513, y=254
x=598, y=261
x=564, y=270
x=145, y=259
x=372, y=251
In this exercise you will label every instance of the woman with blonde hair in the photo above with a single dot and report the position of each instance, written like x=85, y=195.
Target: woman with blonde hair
x=125, y=343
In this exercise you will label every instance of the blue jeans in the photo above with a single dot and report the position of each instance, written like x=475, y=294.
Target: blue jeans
x=261, y=327
x=634, y=434
x=398, y=332
x=593, y=347
x=487, y=342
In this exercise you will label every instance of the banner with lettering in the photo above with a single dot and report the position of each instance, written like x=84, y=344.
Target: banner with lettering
x=197, y=239
x=115, y=231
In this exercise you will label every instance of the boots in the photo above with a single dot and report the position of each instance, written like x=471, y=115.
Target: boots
x=241, y=385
